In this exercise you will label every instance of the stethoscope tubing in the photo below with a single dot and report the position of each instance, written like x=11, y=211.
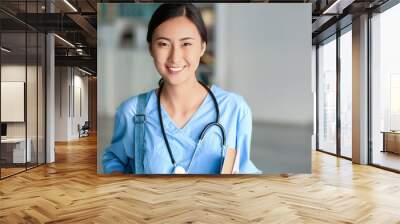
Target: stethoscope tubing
x=203, y=132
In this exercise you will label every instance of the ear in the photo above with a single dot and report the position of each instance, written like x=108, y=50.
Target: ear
x=203, y=48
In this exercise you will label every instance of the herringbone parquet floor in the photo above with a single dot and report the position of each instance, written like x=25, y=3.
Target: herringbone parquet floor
x=70, y=191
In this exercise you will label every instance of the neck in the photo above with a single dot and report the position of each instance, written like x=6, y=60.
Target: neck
x=180, y=98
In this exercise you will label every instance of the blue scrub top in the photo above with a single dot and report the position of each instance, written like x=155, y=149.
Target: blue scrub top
x=235, y=117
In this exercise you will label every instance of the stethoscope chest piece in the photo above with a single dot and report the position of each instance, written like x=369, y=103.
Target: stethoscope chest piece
x=179, y=170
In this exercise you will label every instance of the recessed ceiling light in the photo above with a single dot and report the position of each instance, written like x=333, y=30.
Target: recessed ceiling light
x=64, y=40
x=70, y=5
x=5, y=49
x=84, y=71
x=337, y=7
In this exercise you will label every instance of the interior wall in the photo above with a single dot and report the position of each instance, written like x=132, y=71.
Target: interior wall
x=80, y=109
x=62, y=80
x=17, y=73
x=70, y=84
x=265, y=63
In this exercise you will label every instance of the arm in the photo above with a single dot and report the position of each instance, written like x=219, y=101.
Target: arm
x=115, y=158
x=243, y=142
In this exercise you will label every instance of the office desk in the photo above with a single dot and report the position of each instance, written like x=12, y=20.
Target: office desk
x=13, y=150
x=391, y=141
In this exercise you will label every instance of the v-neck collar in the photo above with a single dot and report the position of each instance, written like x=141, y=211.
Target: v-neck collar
x=170, y=124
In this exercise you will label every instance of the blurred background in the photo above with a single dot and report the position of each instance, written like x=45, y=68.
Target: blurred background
x=249, y=53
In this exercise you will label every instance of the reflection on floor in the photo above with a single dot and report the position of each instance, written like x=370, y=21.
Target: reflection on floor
x=11, y=169
x=387, y=159
x=346, y=151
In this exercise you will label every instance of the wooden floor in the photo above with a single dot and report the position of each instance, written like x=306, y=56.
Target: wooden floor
x=5, y=172
x=70, y=191
x=10, y=171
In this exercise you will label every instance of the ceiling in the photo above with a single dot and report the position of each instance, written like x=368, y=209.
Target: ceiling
x=330, y=16
x=76, y=24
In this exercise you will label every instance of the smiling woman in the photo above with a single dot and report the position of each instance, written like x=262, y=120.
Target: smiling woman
x=184, y=126
x=176, y=50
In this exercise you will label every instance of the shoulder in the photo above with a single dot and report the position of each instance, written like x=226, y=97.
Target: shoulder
x=128, y=107
x=232, y=101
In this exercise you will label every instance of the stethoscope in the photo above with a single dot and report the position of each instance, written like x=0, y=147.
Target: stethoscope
x=179, y=169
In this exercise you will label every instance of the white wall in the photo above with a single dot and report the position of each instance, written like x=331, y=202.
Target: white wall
x=33, y=126
x=12, y=101
x=61, y=103
x=13, y=73
x=17, y=73
x=68, y=80
x=263, y=53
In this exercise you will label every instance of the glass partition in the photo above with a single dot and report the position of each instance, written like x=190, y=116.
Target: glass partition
x=41, y=91
x=13, y=109
x=31, y=100
x=22, y=88
x=327, y=95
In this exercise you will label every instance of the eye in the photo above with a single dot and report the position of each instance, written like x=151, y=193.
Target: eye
x=162, y=44
x=187, y=44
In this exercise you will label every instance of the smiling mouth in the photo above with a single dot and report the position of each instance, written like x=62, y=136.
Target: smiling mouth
x=175, y=69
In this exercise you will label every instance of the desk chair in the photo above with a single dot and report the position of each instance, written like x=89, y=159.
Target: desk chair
x=84, y=130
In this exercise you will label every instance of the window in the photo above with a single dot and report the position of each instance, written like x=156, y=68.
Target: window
x=385, y=89
x=327, y=96
x=346, y=93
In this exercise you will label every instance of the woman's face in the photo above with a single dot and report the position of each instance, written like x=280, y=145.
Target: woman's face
x=176, y=48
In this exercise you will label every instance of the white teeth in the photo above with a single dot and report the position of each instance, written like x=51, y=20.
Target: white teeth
x=177, y=69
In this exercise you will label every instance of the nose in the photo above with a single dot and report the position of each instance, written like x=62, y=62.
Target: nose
x=175, y=55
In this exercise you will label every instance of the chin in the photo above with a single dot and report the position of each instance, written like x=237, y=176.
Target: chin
x=176, y=79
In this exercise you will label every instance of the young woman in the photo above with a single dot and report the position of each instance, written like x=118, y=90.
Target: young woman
x=183, y=126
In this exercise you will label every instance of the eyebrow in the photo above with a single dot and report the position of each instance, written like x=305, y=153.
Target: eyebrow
x=185, y=38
